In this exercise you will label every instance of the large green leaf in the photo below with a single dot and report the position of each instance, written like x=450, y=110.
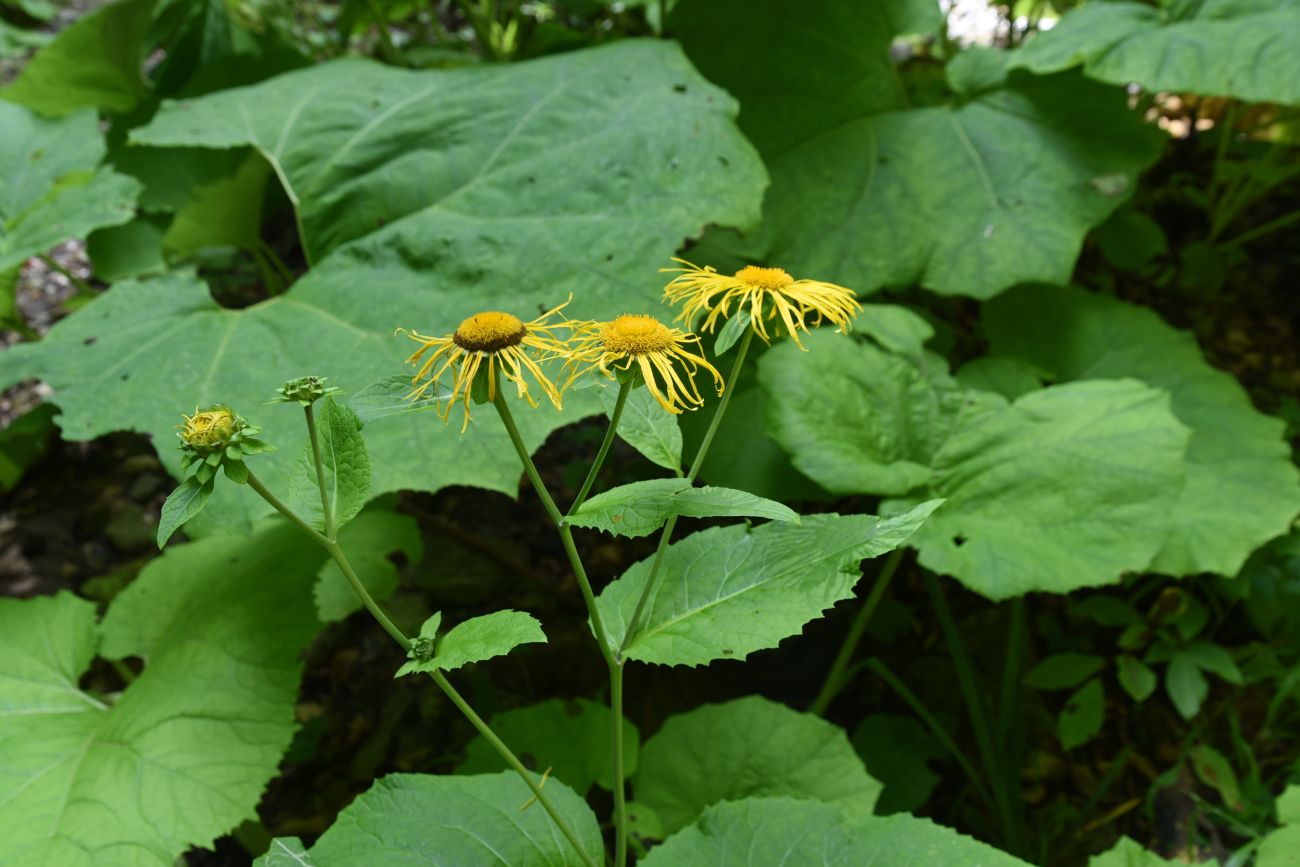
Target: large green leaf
x=781, y=832
x=744, y=748
x=480, y=152
x=1241, y=48
x=569, y=737
x=183, y=754
x=640, y=508
x=479, y=821
x=868, y=193
x=96, y=62
x=50, y=188
x=602, y=210
x=727, y=591
x=1128, y=853
x=856, y=418
x=1241, y=487
x=1066, y=487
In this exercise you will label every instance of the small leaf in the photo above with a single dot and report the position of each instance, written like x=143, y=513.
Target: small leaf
x=1215, y=771
x=476, y=639
x=346, y=462
x=1064, y=670
x=730, y=333
x=1214, y=659
x=640, y=508
x=646, y=427
x=1136, y=677
x=1186, y=685
x=182, y=504
x=1083, y=715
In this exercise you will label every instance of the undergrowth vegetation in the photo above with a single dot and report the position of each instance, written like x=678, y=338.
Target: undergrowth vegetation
x=711, y=432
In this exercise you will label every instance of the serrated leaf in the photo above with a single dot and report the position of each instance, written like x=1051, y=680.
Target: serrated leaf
x=1186, y=686
x=728, y=591
x=182, y=504
x=856, y=418
x=563, y=735
x=1240, y=480
x=869, y=193
x=646, y=427
x=1138, y=680
x=741, y=833
x=368, y=540
x=477, y=639
x=749, y=747
x=1066, y=487
x=640, y=508
x=184, y=753
x=665, y=169
x=467, y=821
x=97, y=61
x=1064, y=670
x=1244, y=50
x=346, y=462
x=1084, y=713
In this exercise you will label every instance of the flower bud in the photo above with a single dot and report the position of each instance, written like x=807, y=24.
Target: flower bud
x=304, y=391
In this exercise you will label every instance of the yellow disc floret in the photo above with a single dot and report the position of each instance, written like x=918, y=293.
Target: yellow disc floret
x=762, y=293
x=490, y=331
x=643, y=343
x=209, y=429
x=492, y=341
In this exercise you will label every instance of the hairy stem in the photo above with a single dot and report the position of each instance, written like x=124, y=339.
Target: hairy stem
x=327, y=508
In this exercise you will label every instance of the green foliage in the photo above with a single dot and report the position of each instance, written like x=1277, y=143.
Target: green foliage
x=346, y=465
x=473, y=640
x=818, y=835
x=558, y=734
x=1239, y=477
x=183, y=753
x=181, y=505
x=96, y=62
x=646, y=427
x=750, y=747
x=640, y=508
x=1218, y=48
x=370, y=539
x=714, y=582
x=472, y=821
x=868, y=192
x=1127, y=853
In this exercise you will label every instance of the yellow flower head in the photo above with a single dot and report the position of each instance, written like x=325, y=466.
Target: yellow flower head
x=650, y=345
x=207, y=430
x=500, y=339
x=706, y=291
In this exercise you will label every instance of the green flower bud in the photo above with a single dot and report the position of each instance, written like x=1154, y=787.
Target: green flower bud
x=304, y=391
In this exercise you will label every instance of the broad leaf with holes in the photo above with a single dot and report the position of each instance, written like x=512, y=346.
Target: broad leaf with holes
x=477, y=821
x=783, y=830
x=1240, y=48
x=725, y=592
x=867, y=192
x=1241, y=487
x=51, y=185
x=563, y=735
x=1066, y=487
x=183, y=755
x=744, y=748
x=640, y=508
x=499, y=219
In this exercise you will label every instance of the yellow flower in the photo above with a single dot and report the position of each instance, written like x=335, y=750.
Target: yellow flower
x=706, y=291
x=207, y=430
x=500, y=339
x=649, y=344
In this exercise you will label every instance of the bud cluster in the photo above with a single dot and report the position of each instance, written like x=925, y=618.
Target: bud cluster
x=304, y=391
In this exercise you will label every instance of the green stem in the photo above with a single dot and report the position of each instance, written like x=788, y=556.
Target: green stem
x=385, y=38
x=80, y=285
x=616, y=735
x=400, y=637
x=835, y=677
x=512, y=760
x=729, y=388
x=974, y=704
x=327, y=508
x=624, y=389
x=1259, y=231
